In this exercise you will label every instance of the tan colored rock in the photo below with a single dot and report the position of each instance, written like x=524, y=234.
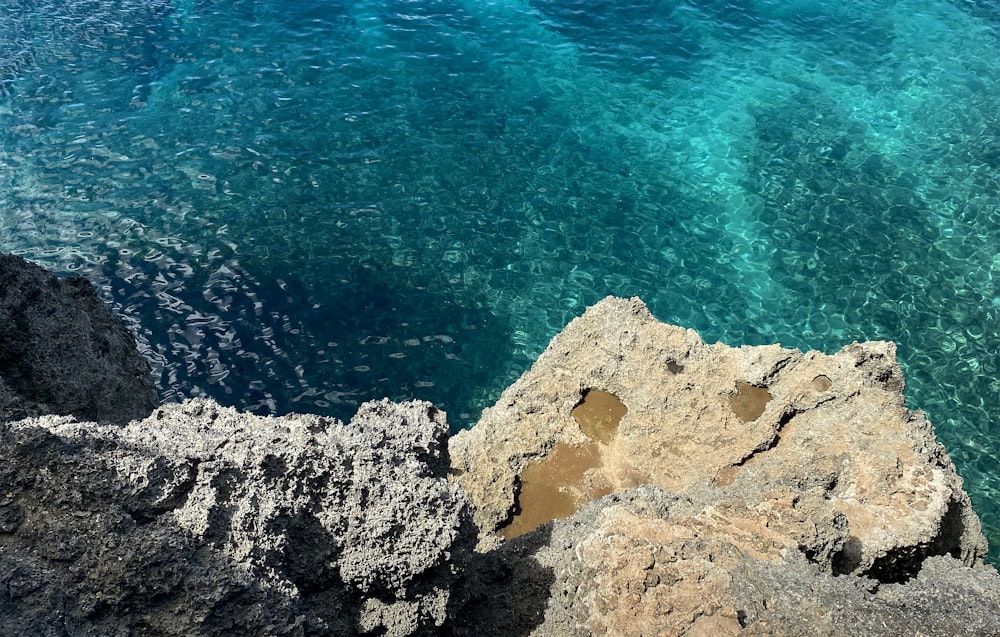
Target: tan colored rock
x=819, y=448
x=649, y=562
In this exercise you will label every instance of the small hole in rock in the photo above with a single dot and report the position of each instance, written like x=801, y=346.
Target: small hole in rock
x=822, y=383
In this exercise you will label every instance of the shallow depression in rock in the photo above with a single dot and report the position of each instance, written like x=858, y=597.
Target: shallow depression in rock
x=749, y=401
x=822, y=383
x=554, y=487
x=599, y=413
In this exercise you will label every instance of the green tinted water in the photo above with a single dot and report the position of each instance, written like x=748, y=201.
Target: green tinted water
x=307, y=205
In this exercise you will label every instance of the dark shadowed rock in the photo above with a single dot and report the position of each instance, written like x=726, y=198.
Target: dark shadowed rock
x=63, y=351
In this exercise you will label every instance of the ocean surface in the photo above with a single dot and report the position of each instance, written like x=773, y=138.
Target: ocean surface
x=305, y=204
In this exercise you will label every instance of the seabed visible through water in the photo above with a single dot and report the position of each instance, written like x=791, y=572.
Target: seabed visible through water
x=305, y=205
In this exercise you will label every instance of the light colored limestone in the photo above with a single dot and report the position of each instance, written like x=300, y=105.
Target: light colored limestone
x=835, y=439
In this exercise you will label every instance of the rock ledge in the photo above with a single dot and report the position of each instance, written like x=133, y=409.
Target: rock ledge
x=645, y=482
x=731, y=482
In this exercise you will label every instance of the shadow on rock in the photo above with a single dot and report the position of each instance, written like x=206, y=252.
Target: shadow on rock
x=200, y=520
x=63, y=351
x=506, y=591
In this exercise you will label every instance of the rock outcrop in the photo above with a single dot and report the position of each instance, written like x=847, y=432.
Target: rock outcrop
x=201, y=520
x=648, y=562
x=718, y=479
x=635, y=481
x=63, y=351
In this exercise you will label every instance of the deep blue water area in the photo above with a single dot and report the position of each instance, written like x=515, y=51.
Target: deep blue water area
x=307, y=204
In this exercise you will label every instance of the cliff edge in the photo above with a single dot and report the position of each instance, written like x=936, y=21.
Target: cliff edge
x=635, y=481
x=656, y=484
x=201, y=520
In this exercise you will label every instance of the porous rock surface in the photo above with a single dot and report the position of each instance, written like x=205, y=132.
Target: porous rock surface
x=200, y=520
x=752, y=491
x=825, y=507
x=63, y=351
x=649, y=562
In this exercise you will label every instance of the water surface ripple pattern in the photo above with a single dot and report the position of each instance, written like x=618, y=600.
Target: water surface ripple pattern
x=305, y=205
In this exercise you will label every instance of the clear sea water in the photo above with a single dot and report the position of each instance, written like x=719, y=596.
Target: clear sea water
x=305, y=204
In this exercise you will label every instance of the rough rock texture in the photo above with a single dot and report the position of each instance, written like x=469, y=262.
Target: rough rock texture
x=648, y=562
x=200, y=520
x=750, y=491
x=755, y=490
x=63, y=351
x=834, y=443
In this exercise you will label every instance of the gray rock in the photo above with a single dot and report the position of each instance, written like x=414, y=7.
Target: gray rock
x=200, y=520
x=945, y=599
x=63, y=351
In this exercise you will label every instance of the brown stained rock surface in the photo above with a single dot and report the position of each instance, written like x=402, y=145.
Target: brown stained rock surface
x=827, y=437
x=749, y=402
x=555, y=487
x=599, y=414
x=569, y=476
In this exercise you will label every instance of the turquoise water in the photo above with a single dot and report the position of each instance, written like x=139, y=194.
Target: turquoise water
x=308, y=204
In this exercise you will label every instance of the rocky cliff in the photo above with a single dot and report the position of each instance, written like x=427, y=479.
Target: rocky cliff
x=63, y=351
x=822, y=446
x=203, y=521
x=649, y=483
x=635, y=481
